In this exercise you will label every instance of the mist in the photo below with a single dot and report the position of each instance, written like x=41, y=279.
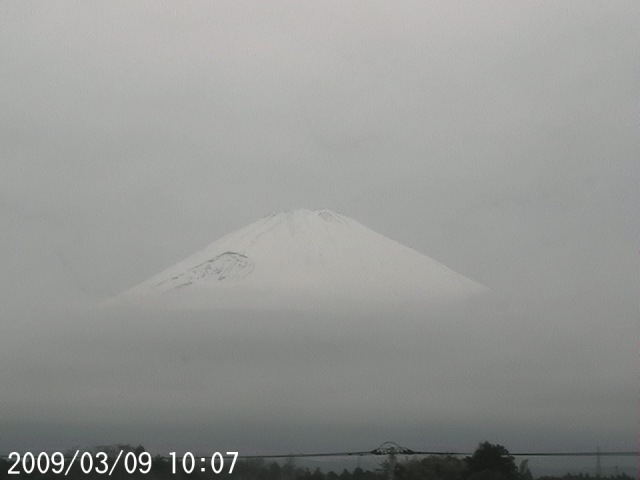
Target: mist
x=499, y=139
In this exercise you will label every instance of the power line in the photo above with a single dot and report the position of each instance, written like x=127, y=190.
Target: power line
x=390, y=448
x=450, y=453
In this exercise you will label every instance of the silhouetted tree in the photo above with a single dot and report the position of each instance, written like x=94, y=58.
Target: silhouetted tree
x=491, y=462
x=433, y=467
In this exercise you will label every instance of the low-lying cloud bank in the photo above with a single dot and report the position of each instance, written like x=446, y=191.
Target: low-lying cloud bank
x=289, y=381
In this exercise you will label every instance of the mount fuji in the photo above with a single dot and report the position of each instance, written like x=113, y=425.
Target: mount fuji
x=303, y=257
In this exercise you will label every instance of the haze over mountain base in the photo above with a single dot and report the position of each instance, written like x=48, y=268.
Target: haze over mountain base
x=277, y=381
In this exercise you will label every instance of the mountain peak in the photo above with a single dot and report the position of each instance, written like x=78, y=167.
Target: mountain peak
x=303, y=214
x=302, y=256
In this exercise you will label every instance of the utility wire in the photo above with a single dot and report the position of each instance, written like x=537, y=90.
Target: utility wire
x=419, y=453
x=403, y=451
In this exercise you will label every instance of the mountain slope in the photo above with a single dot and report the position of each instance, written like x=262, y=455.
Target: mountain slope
x=304, y=256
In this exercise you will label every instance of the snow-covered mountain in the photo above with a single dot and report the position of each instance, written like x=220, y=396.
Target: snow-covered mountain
x=300, y=257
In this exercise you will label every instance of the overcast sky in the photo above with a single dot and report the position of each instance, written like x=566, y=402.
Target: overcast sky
x=498, y=138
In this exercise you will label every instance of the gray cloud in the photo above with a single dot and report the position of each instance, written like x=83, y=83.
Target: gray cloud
x=499, y=139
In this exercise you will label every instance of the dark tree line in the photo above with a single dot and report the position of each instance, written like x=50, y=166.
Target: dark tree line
x=488, y=462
